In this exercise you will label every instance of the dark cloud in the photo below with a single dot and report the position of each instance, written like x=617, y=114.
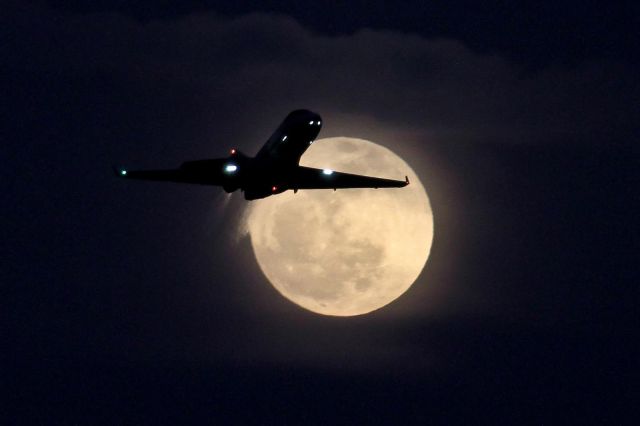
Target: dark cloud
x=209, y=71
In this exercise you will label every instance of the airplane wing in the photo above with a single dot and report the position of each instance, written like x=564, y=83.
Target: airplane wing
x=203, y=172
x=310, y=178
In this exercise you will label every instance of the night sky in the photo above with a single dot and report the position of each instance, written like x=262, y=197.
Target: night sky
x=137, y=302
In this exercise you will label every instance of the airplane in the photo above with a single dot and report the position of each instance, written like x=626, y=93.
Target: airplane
x=274, y=169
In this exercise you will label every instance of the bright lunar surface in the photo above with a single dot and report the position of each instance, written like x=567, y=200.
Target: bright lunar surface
x=346, y=252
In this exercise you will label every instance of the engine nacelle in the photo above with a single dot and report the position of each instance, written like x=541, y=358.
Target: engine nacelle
x=262, y=191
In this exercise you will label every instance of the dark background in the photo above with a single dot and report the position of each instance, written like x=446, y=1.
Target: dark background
x=133, y=302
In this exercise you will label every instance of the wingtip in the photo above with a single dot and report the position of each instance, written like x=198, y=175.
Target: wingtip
x=119, y=171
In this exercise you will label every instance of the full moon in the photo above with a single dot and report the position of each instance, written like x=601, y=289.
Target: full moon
x=350, y=251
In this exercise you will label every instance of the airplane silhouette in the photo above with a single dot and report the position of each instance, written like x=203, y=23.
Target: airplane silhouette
x=273, y=170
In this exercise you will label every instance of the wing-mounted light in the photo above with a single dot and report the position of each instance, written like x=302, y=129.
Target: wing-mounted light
x=278, y=189
x=263, y=191
x=234, y=163
x=235, y=168
x=120, y=171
